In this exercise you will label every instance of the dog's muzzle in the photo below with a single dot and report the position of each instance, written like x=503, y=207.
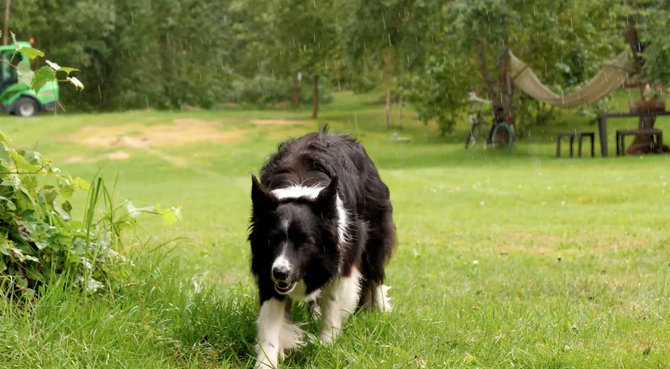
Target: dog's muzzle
x=281, y=278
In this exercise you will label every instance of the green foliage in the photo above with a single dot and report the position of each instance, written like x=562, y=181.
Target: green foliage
x=31, y=52
x=269, y=90
x=42, y=76
x=388, y=42
x=24, y=73
x=39, y=240
x=441, y=90
x=136, y=54
x=37, y=79
x=169, y=54
x=565, y=42
x=306, y=35
x=655, y=36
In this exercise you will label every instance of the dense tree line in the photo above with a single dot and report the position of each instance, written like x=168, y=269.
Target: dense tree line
x=169, y=54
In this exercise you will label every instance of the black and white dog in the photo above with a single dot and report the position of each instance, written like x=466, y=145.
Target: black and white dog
x=322, y=231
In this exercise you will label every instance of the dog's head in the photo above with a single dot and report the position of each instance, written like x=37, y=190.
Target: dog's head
x=294, y=237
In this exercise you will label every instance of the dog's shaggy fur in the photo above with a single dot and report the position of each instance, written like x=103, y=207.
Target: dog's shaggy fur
x=322, y=231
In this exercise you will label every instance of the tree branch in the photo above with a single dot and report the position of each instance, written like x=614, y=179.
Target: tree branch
x=503, y=60
x=8, y=63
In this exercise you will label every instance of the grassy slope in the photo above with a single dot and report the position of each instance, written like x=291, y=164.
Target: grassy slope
x=504, y=259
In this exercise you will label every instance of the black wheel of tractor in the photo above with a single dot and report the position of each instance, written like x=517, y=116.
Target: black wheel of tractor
x=26, y=107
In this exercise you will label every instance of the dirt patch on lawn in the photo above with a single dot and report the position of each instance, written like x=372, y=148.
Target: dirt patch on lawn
x=181, y=133
x=116, y=155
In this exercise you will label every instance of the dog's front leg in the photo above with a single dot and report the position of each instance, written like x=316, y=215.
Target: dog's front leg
x=339, y=300
x=276, y=333
x=270, y=322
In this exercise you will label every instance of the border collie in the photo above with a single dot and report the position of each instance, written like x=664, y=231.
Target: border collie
x=321, y=231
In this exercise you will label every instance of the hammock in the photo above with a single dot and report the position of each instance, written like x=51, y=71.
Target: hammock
x=613, y=74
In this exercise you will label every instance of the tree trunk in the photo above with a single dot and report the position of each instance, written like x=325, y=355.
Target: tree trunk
x=388, y=76
x=315, y=95
x=400, y=111
x=643, y=144
x=500, y=88
x=296, y=92
x=5, y=30
x=389, y=119
x=505, y=88
x=632, y=37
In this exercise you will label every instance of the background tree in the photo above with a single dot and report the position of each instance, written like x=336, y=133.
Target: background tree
x=306, y=39
x=137, y=54
x=648, y=22
x=388, y=36
x=565, y=42
x=646, y=32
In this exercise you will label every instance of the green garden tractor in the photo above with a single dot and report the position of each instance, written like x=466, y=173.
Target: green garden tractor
x=17, y=98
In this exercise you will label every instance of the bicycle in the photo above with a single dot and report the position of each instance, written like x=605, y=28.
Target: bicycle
x=502, y=131
x=476, y=126
x=476, y=119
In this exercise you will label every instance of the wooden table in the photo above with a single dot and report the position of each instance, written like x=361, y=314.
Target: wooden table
x=602, y=125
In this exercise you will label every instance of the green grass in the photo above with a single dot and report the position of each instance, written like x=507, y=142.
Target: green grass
x=504, y=259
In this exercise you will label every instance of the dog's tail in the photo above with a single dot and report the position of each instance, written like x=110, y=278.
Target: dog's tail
x=324, y=129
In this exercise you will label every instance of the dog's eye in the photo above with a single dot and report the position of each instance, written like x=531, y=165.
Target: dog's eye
x=306, y=242
x=276, y=238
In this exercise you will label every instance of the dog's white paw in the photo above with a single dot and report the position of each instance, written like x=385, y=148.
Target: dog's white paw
x=381, y=299
x=290, y=337
x=329, y=335
x=263, y=361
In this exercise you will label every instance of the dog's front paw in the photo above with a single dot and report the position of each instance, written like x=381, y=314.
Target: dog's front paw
x=290, y=337
x=329, y=335
x=264, y=362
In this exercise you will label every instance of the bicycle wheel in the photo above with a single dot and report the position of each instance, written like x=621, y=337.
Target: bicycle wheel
x=502, y=136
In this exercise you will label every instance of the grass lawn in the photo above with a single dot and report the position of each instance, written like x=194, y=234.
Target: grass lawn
x=503, y=259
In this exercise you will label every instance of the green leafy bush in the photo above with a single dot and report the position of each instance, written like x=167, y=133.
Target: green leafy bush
x=40, y=241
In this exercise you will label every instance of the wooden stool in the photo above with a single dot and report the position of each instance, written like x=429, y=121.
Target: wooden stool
x=572, y=135
x=656, y=138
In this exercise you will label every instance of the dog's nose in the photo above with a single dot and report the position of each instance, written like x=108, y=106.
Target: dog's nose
x=280, y=274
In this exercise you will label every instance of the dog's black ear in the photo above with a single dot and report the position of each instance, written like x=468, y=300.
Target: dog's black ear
x=262, y=199
x=326, y=202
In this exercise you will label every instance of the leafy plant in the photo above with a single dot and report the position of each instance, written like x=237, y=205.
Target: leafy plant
x=39, y=240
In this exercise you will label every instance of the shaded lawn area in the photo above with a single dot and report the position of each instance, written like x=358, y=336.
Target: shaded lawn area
x=504, y=259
